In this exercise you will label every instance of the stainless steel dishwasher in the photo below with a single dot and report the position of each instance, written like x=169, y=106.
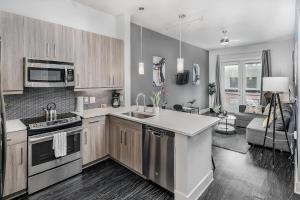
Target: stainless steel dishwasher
x=158, y=156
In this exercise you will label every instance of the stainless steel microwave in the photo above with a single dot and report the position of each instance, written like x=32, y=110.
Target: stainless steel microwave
x=48, y=73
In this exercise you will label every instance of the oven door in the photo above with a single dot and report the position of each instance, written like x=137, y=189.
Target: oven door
x=41, y=155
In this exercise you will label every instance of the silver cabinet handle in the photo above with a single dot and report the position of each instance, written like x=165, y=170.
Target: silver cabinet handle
x=85, y=137
x=125, y=138
x=54, y=48
x=121, y=137
x=66, y=75
x=113, y=80
x=47, y=49
x=21, y=163
x=93, y=122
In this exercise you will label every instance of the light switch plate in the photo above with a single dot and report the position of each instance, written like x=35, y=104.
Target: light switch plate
x=92, y=99
x=86, y=100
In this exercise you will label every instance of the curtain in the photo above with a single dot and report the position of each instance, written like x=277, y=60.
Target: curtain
x=218, y=99
x=265, y=72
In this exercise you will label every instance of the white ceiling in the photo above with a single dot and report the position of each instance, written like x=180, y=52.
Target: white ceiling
x=249, y=21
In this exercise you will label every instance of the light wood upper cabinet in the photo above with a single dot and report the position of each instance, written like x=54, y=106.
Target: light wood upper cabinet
x=16, y=163
x=126, y=143
x=117, y=63
x=11, y=32
x=94, y=139
x=101, y=65
x=44, y=40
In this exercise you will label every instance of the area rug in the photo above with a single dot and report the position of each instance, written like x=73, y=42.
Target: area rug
x=234, y=142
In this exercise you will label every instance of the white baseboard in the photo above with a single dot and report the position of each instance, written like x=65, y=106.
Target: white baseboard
x=198, y=189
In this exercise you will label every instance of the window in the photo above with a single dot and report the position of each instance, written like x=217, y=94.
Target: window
x=241, y=83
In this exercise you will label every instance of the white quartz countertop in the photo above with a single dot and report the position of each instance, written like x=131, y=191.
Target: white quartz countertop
x=178, y=122
x=14, y=125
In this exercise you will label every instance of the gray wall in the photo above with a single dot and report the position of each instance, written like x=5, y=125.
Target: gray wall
x=156, y=44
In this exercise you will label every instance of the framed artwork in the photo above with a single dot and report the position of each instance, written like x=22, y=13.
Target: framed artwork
x=159, y=71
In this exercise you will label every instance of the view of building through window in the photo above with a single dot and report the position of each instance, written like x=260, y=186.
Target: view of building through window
x=242, y=83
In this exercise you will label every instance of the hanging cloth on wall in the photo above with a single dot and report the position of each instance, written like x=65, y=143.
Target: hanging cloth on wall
x=196, y=74
x=265, y=72
x=218, y=98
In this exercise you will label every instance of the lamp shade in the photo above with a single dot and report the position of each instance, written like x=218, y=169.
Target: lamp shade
x=276, y=84
x=180, y=65
x=141, y=68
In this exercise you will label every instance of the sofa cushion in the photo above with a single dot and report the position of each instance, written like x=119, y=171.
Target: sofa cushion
x=287, y=114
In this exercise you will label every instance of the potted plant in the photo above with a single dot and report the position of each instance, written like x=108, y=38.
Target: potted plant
x=155, y=98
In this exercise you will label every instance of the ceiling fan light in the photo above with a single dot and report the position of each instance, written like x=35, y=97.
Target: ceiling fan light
x=141, y=68
x=224, y=41
x=180, y=65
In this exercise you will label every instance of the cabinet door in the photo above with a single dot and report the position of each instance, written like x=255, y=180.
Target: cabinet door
x=80, y=60
x=115, y=140
x=134, y=147
x=97, y=129
x=86, y=146
x=16, y=168
x=11, y=32
x=117, y=63
x=94, y=139
x=106, y=61
x=36, y=39
x=85, y=62
x=65, y=44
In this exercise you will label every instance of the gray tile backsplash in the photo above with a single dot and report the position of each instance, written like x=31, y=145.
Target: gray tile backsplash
x=31, y=102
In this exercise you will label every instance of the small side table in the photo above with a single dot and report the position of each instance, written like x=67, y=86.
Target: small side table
x=226, y=128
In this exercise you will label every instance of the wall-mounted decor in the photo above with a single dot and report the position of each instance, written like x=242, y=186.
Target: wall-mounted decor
x=182, y=78
x=196, y=74
x=159, y=71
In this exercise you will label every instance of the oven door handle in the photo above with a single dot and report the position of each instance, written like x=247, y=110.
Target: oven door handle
x=66, y=76
x=51, y=136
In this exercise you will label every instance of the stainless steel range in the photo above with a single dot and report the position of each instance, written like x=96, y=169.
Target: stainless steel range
x=44, y=169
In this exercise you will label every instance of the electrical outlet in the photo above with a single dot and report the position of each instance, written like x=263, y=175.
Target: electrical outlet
x=92, y=99
x=86, y=100
x=121, y=98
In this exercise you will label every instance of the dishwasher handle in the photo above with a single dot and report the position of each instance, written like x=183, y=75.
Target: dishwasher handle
x=156, y=134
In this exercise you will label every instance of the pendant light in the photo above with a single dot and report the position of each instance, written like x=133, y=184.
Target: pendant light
x=180, y=60
x=141, y=63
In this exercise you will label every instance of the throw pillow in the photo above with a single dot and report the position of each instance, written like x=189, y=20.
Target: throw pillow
x=266, y=120
x=287, y=113
x=266, y=112
x=253, y=109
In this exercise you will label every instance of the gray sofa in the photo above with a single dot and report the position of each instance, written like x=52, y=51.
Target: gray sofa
x=243, y=119
x=255, y=133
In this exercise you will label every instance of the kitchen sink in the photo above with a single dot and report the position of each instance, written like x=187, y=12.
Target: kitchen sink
x=138, y=115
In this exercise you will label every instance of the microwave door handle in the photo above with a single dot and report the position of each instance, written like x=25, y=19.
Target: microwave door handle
x=66, y=76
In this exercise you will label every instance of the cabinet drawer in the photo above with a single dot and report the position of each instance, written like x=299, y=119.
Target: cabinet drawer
x=126, y=123
x=94, y=120
x=16, y=137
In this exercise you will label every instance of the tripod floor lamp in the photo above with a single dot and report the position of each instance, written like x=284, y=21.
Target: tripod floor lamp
x=275, y=85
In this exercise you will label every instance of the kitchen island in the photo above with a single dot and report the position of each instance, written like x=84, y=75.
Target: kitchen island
x=192, y=146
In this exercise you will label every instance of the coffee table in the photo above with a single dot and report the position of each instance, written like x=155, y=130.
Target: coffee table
x=226, y=128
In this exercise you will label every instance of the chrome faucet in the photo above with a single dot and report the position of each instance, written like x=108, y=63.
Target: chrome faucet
x=137, y=101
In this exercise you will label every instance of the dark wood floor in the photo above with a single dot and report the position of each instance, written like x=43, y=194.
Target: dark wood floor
x=237, y=177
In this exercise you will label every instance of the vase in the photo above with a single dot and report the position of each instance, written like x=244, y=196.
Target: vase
x=156, y=110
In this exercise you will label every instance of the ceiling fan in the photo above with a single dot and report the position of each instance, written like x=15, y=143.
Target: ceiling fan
x=225, y=39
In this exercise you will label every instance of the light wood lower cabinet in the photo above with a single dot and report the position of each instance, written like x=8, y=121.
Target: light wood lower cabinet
x=94, y=139
x=16, y=163
x=125, y=143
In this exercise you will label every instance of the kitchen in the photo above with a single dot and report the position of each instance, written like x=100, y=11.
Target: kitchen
x=50, y=136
